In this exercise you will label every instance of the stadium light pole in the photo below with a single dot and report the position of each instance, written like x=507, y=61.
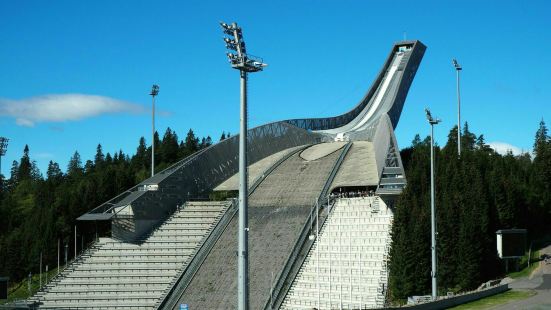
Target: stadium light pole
x=458, y=68
x=3, y=149
x=154, y=92
x=245, y=64
x=432, y=122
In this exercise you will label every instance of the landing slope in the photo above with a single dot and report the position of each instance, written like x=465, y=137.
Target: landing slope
x=278, y=210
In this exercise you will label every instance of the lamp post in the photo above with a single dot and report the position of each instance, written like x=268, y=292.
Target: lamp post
x=30, y=279
x=458, y=68
x=244, y=63
x=153, y=94
x=40, y=273
x=58, y=249
x=432, y=122
x=74, y=257
x=3, y=149
x=66, y=253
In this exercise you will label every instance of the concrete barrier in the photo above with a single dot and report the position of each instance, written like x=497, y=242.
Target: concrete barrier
x=457, y=300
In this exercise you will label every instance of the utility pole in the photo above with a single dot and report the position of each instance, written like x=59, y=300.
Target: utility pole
x=432, y=122
x=244, y=63
x=58, y=249
x=153, y=94
x=40, y=277
x=3, y=149
x=458, y=68
x=75, y=257
x=29, y=287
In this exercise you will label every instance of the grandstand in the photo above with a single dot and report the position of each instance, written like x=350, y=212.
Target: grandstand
x=118, y=274
x=341, y=174
x=347, y=266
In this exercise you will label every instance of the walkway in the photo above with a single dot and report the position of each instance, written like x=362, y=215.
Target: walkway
x=540, y=282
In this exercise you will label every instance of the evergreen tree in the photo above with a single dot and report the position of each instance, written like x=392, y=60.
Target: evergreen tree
x=140, y=158
x=99, y=158
x=468, y=139
x=542, y=138
x=54, y=172
x=74, y=167
x=223, y=136
x=208, y=141
x=35, y=172
x=14, y=171
x=169, y=146
x=25, y=166
x=192, y=143
x=541, y=177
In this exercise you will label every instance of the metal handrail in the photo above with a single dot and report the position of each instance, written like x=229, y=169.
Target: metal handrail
x=168, y=301
x=279, y=292
x=109, y=205
x=69, y=264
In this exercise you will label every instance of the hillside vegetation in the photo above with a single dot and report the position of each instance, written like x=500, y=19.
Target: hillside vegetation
x=36, y=210
x=476, y=195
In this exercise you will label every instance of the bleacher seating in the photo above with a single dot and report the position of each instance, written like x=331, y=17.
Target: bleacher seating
x=115, y=275
x=347, y=266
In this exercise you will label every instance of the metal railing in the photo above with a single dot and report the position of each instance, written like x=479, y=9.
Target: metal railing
x=61, y=273
x=294, y=262
x=170, y=299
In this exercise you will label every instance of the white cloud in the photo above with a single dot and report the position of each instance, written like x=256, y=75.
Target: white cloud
x=65, y=107
x=502, y=148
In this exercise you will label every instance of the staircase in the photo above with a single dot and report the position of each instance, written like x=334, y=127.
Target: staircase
x=347, y=266
x=118, y=275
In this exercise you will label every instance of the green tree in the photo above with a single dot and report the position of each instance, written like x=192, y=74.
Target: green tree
x=169, y=146
x=74, y=167
x=25, y=165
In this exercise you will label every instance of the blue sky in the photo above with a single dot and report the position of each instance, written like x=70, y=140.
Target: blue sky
x=322, y=56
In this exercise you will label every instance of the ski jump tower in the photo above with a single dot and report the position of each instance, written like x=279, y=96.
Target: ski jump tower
x=316, y=186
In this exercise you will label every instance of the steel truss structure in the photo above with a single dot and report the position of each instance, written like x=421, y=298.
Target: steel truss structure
x=143, y=207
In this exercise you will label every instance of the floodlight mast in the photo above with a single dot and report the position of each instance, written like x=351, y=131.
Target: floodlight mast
x=458, y=68
x=3, y=148
x=432, y=122
x=245, y=64
x=153, y=94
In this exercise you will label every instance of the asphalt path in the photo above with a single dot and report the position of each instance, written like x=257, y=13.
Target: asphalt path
x=539, y=282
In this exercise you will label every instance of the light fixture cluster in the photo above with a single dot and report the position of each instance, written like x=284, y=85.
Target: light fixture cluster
x=432, y=121
x=154, y=90
x=456, y=64
x=239, y=60
x=3, y=145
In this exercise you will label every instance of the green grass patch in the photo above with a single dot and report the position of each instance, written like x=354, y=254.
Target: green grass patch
x=20, y=290
x=495, y=300
x=526, y=271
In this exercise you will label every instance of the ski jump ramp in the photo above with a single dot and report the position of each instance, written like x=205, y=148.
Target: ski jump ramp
x=295, y=166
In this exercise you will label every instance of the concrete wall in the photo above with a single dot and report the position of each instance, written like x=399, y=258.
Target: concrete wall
x=458, y=300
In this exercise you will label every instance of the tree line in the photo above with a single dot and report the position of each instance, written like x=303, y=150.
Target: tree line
x=477, y=194
x=37, y=210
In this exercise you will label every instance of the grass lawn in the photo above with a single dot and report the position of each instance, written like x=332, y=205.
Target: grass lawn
x=20, y=290
x=495, y=300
